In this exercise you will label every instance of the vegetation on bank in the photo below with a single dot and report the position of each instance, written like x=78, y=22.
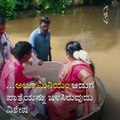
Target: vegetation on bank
x=9, y=8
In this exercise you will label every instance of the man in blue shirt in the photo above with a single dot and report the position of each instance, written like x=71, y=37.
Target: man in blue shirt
x=40, y=41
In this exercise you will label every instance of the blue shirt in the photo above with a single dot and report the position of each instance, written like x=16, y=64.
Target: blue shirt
x=40, y=43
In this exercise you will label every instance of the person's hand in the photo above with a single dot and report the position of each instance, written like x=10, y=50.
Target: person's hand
x=39, y=79
x=35, y=79
x=39, y=62
x=50, y=58
x=29, y=63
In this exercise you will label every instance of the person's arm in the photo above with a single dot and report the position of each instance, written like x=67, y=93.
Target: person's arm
x=50, y=55
x=8, y=53
x=93, y=91
x=32, y=42
x=49, y=39
x=87, y=77
x=36, y=59
x=10, y=44
x=12, y=48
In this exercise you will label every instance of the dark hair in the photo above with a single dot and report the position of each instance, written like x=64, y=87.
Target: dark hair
x=2, y=20
x=45, y=20
x=92, y=66
x=73, y=46
x=21, y=49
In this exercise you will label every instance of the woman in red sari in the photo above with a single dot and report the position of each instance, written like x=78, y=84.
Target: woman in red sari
x=78, y=72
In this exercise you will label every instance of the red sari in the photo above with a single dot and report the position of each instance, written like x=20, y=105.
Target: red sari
x=63, y=109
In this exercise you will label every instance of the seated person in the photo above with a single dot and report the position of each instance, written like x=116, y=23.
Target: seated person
x=12, y=74
x=78, y=70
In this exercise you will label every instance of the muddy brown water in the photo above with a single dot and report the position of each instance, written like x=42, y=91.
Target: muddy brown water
x=101, y=40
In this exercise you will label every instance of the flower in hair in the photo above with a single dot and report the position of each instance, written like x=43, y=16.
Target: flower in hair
x=82, y=55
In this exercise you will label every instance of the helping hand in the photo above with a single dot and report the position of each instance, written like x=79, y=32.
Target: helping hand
x=29, y=63
x=39, y=62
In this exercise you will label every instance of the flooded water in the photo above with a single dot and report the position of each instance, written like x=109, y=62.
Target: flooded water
x=101, y=40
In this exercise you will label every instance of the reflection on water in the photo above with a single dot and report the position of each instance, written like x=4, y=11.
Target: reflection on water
x=101, y=40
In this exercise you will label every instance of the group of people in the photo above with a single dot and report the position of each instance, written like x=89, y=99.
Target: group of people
x=39, y=39
x=77, y=69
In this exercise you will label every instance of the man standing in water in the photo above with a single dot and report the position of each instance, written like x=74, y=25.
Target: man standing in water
x=5, y=45
x=40, y=41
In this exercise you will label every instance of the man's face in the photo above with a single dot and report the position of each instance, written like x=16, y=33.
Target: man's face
x=2, y=29
x=44, y=27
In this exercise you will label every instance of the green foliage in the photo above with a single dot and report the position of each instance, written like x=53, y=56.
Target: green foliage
x=55, y=6
x=36, y=3
x=22, y=4
x=7, y=8
x=95, y=2
x=10, y=9
x=2, y=7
